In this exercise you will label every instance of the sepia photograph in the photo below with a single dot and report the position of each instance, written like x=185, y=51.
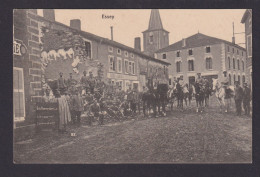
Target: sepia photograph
x=132, y=86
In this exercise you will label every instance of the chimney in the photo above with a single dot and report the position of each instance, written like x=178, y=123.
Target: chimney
x=76, y=24
x=111, y=32
x=233, y=40
x=138, y=43
x=49, y=14
x=183, y=42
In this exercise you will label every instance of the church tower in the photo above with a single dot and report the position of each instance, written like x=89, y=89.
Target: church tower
x=155, y=37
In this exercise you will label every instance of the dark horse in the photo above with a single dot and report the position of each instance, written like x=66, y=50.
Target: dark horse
x=155, y=99
x=199, y=96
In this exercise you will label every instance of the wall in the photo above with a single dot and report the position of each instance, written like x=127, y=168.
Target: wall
x=199, y=56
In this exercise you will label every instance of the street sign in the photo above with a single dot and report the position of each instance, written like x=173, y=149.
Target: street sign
x=18, y=48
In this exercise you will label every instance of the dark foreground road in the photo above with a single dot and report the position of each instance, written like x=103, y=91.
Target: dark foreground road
x=181, y=137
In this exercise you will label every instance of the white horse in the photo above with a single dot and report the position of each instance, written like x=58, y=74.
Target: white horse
x=223, y=99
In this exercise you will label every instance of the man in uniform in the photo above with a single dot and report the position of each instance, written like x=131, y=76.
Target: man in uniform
x=91, y=82
x=94, y=112
x=238, y=98
x=84, y=81
x=71, y=82
x=199, y=80
x=246, y=99
x=61, y=84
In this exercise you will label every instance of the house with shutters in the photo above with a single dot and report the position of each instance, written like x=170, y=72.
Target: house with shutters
x=207, y=55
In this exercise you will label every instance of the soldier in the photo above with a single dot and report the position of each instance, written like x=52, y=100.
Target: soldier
x=94, y=111
x=71, y=83
x=199, y=80
x=91, y=82
x=238, y=98
x=76, y=106
x=84, y=81
x=61, y=84
x=246, y=99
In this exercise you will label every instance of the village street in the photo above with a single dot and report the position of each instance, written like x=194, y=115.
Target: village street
x=181, y=137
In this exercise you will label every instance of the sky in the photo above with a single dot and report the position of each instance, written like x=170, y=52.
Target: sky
x=181, y=23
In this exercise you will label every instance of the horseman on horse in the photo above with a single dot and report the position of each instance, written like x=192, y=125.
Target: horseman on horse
x=223, y=91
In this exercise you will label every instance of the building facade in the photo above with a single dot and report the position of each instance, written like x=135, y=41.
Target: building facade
x=44, y=47
x=206, y=55
x=247, y=20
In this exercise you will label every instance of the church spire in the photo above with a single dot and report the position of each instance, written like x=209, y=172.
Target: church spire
x=155, y=22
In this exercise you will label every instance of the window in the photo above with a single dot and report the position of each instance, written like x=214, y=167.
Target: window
x=234, y=63
x=190, y=65
x=233, y=50
x=178, y=54
x=133, y=67
x=130, y=68
x=126, y=66
x=229, y=63
x=243, y=66
x=164, y=56
x=18, y=94
x=243, y=79
x=119, y=51
x=238, y=78
x=229, y=78
x=190, y=52
x=228, y=49
x=242, y=53
x=234, y=78
x=238, y=64
x=132, y=55
x=151, y=37
x=88, y=49
x=178, y=66
x=126, y=54
x=249, y=46
x=112, y=63
x=119, y=65
x=209, y=63
x=110, y=49
x=207, y=49
x=237, y=52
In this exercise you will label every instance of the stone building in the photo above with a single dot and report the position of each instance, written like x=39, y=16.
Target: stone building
x=44, y=47
x=205, y=54
x=247, y=20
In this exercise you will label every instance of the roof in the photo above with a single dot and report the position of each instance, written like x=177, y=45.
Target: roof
x=196, y=40
x=107, y=41
x=247, y=12
x=155, y=22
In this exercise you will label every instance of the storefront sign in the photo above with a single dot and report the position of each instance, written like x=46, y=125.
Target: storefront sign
x=121, y=76
x=18, y=48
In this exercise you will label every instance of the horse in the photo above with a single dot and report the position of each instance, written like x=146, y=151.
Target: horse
x=171, y=95
x=223, y=97
x=162, y=90
x=186, y=94
x=180, y=95
x=199, y=96
x=149, y=102
x=208, y=91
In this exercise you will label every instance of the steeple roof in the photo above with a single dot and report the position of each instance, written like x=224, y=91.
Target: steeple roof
x=155, y=22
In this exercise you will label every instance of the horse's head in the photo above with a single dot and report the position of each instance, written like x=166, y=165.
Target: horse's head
x=215, y=84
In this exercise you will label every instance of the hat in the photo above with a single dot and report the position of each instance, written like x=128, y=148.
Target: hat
x=224, y=72
x=198, y=73
x=61, y=73
x=245, y=84
x=236, y=82
x=84, y=72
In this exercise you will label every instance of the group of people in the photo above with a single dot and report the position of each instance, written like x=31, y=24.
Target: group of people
x=95, y=98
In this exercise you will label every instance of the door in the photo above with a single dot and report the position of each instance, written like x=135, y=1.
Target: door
x=18, y=94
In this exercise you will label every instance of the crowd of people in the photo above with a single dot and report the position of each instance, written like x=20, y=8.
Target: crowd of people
x=97, y=100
